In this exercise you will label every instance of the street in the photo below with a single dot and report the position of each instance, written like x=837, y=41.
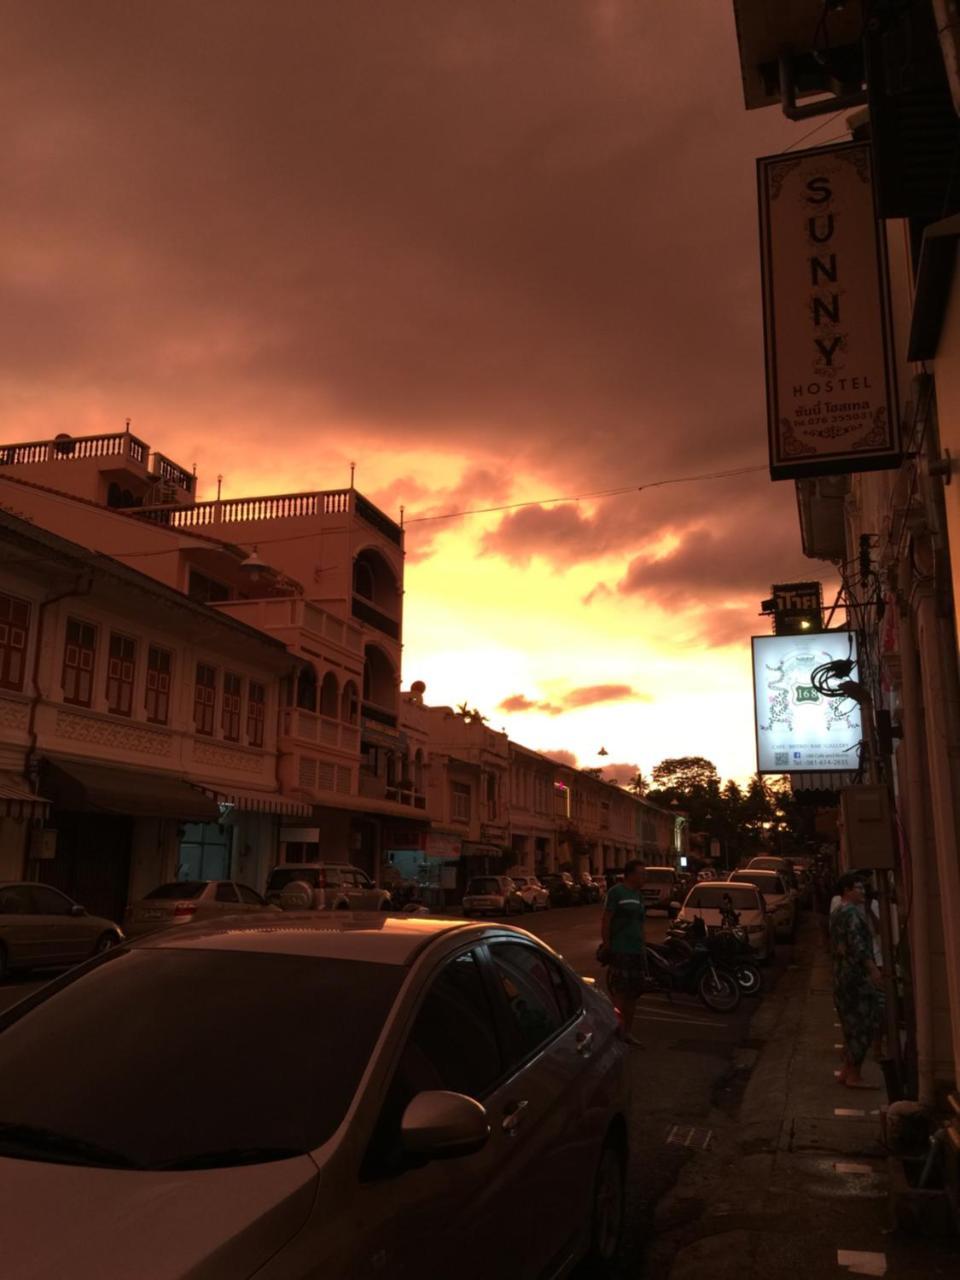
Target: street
x=683, y=1072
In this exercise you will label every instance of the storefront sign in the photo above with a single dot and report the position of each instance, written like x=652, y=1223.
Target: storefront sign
x=798, y=728
x=440, y=846
x=831, y=387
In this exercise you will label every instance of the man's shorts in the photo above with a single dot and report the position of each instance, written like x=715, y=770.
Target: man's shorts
x=627, y=974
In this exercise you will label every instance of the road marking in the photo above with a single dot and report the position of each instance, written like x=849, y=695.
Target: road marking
x=839, y=1046
x=689, y=1136
x=853, y=1168
x=848, y=1112
x=675, y=1020
x=862, y=1264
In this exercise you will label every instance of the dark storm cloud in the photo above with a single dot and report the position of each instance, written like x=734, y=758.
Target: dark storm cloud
x=500, y=229
x=585, y=696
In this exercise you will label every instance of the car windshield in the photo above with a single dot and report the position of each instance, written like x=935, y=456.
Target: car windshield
x=282, y=876
x=484, y=884
x=763, y=880
x=180, y=889
x=710, y=897
x=189, y=1059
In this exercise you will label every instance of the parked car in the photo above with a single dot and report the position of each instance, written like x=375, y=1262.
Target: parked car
x=535, y=896
x=589, y=889
x=40, y=926
x=707, y=899
x=661, y=887
x=227, y=1107
x=325, y=886
x=706, y=873
x=492, y=896
x=563, y=890
x=783, y=866
x=780, y=901
x=188, y=901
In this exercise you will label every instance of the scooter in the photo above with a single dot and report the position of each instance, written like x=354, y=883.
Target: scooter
x=691, y=968
x=729, y=949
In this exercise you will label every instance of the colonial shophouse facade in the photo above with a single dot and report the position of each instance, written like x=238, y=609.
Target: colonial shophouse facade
x=274, y=625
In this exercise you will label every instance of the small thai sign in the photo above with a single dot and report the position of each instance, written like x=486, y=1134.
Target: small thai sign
x=831, y=386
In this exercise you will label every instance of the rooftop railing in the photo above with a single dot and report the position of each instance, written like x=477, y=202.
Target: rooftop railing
x=75, y=448
x=282, y=506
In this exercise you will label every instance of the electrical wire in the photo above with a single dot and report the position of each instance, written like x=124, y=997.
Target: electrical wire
x=810, y=133
x=581, y=497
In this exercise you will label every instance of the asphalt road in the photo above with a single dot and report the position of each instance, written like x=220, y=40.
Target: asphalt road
x=682, y=1073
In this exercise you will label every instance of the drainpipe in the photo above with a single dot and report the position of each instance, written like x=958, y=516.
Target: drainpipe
x=919, y=925
x=82, y=587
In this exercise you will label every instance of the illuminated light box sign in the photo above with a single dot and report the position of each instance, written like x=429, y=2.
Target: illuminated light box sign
x=831, y=390
x=798, y=729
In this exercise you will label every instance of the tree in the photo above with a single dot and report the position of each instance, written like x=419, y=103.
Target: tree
x=638, y=785
x=685, y=774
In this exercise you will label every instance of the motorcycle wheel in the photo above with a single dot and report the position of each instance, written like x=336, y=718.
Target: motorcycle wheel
x=718, y=990
x=748, y=976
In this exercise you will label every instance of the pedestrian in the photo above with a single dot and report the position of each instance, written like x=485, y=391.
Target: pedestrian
x=856, y=979
x=623, y=946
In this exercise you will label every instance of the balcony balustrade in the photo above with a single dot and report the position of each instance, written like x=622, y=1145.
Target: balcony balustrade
x=119, y=444
x=365, y=612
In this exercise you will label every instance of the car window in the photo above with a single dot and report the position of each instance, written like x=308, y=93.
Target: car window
x=453, y=1043
x=531, y=992
x=249, y=896
x=226, y=892
x=363, y=880
x=49, y=902
x=16, y=900
x=177, y=889
x=484, y=884
x=247, y=1072
x=347, y=879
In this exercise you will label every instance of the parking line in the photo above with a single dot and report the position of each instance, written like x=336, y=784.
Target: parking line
x=862, y=1264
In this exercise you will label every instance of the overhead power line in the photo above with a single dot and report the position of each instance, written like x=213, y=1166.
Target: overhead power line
x=582, y=497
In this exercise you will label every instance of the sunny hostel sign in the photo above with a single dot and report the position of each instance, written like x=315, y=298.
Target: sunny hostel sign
x=831, y=387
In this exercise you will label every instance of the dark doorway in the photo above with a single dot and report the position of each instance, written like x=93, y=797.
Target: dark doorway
x=92, y=864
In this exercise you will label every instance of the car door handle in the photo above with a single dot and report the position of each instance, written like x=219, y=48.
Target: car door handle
x=513, y=1116
x=585, y=1043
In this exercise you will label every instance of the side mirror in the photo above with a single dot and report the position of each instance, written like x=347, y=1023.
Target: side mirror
x=439, y=1125
x=77, y=910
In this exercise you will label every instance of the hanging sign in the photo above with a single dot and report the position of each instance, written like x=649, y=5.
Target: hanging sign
x=831, y=387
x=800, y=729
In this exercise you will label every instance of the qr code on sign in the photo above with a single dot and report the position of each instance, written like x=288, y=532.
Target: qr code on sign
x=781, y=758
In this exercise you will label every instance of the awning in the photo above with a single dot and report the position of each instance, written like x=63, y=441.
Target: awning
x=260, y=802
x=104, y=789
x=18, y=801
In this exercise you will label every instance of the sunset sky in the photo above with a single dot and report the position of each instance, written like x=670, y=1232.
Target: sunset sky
x=494, y=251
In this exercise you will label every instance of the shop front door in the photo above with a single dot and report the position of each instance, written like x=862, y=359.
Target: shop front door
x=92, y=863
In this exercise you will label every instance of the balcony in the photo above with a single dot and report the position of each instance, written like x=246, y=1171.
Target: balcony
x=379, y=715
x=275, y=507
x=374, y=787
x=173, y=474
x=119, y=444
x=307, y=726
x=363, y=611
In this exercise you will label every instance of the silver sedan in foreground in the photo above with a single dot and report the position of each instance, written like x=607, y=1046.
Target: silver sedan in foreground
x=313, y=1097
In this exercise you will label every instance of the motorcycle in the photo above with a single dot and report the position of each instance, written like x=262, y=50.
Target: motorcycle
x=729, y=949
x=691, y=968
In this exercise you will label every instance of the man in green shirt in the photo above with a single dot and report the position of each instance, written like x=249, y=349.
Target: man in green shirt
x=623, y=940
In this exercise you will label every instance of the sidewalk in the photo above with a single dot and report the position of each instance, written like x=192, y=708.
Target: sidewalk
x=794, y=1180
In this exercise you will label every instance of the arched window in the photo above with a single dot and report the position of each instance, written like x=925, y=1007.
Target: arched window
x=374, y=579
x=363, y=579
x=349, y=703
x=379, y=681
x=307, y=688
x=329, y=696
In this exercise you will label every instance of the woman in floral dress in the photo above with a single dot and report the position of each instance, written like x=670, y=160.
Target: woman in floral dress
x=856, y=979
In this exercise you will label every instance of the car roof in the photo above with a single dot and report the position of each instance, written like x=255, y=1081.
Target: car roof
x=356, y=935
x=723, y=884
x=29, y=884
x=756, y=871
